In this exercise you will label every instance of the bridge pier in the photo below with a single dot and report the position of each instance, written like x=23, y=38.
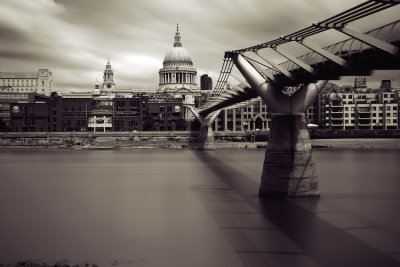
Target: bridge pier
x=206, y=137
x=289, y=170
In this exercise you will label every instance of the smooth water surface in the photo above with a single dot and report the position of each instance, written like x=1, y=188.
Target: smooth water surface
x=192, y=208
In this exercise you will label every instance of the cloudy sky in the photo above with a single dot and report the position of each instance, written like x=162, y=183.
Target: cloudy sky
x=74, y=38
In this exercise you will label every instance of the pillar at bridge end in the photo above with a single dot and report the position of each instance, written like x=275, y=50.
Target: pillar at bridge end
x=206, y=138
x=289, y=170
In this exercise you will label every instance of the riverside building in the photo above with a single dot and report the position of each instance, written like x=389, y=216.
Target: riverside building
x=40, y=82
x=338, y=108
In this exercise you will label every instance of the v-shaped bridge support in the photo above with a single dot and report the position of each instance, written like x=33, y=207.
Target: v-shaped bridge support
x=289, y=170
x=206, y=137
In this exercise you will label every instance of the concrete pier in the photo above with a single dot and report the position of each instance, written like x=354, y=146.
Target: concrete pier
x=289, y=170
x=206, y=137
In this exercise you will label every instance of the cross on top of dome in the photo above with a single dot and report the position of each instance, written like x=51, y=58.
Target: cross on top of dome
x=177, y=42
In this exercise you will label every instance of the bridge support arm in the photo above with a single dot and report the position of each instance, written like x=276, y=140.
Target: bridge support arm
x=276, y=66
x=271, y=95
x=206, y=136
x=296, y=61
x=372, y=41
x=196, y=114
x=304, y=97
x=338, y=60
x=214, y=116
x=263, y=72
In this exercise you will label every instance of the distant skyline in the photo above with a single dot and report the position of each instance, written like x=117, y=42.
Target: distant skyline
x=74, y=38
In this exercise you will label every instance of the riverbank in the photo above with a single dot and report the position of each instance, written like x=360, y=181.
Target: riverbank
x=353, y=143
x=181, y=140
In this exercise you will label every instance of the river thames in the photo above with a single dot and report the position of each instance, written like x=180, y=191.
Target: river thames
x=191, y=208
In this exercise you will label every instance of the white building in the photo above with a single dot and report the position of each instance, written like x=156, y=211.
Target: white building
x=361, y=111
x=40, y=82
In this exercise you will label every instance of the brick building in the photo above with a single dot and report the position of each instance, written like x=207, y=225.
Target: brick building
x=129, y=112
x=30, y=116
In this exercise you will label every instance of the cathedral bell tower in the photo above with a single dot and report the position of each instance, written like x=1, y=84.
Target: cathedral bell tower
x=108, y=84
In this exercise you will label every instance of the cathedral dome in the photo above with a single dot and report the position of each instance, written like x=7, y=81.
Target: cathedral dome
x=178, y=55
x=178, y=70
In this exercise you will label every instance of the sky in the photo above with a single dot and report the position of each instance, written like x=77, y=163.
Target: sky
x=74, y=38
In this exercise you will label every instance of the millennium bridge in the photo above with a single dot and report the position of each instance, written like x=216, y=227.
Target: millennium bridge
x=290, y=86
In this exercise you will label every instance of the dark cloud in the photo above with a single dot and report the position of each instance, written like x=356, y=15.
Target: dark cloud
x=11, y=35
x=74, y=38
x=19, y=55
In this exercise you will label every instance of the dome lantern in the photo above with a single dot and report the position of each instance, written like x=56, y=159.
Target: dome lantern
x=177, y=42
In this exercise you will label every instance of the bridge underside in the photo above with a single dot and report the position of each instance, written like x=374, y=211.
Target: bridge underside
x=359, y=63
x=250, y=94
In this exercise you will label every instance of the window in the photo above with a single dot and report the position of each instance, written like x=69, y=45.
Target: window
x=346, y=108
x=388, y=108
x=346, y=115
x=373, y=108
x=394, y=114
x=346, y=121
x=350, y=97
x=387, y=121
